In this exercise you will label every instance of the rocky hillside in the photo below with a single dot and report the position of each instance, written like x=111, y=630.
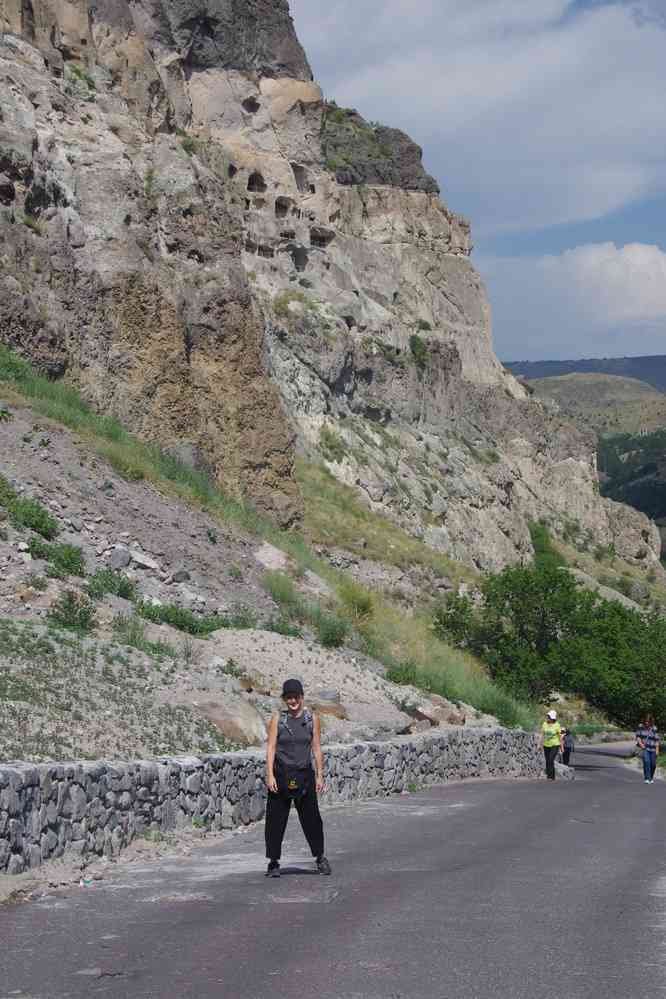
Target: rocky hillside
x=240, y=272
x=134, y=625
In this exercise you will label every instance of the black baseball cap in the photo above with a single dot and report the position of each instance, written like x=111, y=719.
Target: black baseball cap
x=292, y=687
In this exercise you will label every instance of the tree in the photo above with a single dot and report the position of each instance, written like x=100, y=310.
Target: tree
x=536, y=630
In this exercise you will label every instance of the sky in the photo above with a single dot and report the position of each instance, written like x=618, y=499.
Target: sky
x=544, y=122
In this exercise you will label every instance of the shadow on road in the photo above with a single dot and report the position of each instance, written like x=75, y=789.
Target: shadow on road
x=286, y=871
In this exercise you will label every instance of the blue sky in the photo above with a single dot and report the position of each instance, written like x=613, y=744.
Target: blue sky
x=544, y=122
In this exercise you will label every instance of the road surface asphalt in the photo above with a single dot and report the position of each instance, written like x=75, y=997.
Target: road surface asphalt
x=474, y=890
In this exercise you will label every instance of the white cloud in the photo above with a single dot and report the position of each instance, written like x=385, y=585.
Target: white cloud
x=532, y=112
x=613, y=285
x=592, y=300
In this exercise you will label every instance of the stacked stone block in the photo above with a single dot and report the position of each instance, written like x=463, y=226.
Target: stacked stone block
x=97, y=808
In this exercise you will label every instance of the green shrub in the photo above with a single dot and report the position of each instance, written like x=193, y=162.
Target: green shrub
x=282, y=590
x=34, y=224
x=6, y=416
x=189, y=144
x=355, y=598
x=282, y=302
x=130, y=630
x=37, y=582
x=419, y=351
x=182, y=618
x=109, y=581
x=27, y=512
x=405, y=673
x=330, y=629
x=281, y=625
x=545, y=553
x=64, y=560
x=231, y=668
x=424, y=326
x=241, y=616
x=235, y=572
x=74, y=612
x=332, y=445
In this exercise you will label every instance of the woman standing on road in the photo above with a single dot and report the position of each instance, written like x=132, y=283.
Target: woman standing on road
x=551, y=740
x=294, y=740
x=568, y=746
x=647, y=740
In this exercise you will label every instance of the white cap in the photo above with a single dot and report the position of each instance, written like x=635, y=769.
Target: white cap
x=552, y=715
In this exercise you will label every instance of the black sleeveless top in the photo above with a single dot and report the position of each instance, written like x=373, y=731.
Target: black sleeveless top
x=294, y=741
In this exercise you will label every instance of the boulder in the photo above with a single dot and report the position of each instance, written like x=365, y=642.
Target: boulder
x=237, y=720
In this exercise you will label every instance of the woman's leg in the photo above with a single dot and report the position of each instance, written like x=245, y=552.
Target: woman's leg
x=566, y=756
x=277, y=813
x=647, y=765
x=550, y=753
x=311, y=823
x=653, y=764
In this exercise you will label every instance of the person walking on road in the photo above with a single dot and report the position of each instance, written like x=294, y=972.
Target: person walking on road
x=551, y=740
x=647, y=740
x=294, y=740
x=567, y=746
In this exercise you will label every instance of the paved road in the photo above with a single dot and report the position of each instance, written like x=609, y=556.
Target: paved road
x=476, y=890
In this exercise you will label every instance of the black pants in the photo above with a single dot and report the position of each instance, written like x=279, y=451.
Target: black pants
x=566, y=756
x=550, y=752
x=277, y=813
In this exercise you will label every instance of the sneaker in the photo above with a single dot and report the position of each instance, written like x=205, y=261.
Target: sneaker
x=323, y=865
x=273, y=870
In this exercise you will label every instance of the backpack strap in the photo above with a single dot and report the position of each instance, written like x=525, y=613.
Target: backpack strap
x=307, y=716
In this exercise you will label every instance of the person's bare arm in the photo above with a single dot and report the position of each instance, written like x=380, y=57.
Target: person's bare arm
x=271, y=745
x=317, y=753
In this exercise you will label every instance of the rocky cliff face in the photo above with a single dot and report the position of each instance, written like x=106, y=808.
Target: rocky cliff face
x=236, y=269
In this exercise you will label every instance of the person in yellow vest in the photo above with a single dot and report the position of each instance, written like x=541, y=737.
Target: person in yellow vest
x=551, y=740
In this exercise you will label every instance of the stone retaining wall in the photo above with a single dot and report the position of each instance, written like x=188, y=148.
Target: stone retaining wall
x=97, y=808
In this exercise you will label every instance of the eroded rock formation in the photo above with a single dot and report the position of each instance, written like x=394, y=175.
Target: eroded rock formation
x=233, y=268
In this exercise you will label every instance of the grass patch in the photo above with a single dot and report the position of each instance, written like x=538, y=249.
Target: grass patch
x=109, y=581
x=27, y=512
x=282, y=302
x=447, y=676
x=34, y=224
x=331, y=629
x=183, y=619
x=130, y=630
x=332, y=445
x=545, y=553
x=74, y=612
x=335, y=516
x=419, y=350
x=281, y=625
x=63, y=560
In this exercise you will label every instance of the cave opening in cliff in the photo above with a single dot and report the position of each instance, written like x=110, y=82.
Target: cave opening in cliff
x=321, y=238
x=300, y=257
x=28, y=20
x=251, y=105
x=300, y=176
x=256, y=184
x=282, y=206
x=232, y=170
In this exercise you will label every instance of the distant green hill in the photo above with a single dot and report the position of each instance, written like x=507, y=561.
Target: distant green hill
x=650, y=369
x=633, y=471
x=606, y=403
x=629, y=417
